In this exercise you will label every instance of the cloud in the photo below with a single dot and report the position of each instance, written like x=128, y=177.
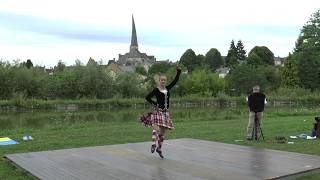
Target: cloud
x=62, y=29
x=69, y=30
x=53, y=30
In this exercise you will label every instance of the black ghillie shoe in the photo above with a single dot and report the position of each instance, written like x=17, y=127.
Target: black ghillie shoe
x=153, y=148
x=160, y=153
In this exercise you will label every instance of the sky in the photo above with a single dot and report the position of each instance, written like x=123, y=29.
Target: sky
x=47, y=31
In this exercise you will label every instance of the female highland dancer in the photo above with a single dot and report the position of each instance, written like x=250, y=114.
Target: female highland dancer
x=160, y=119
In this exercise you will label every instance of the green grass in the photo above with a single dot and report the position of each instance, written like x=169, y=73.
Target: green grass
x=91, y=128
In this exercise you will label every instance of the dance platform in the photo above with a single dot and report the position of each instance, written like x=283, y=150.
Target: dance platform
x=184, y=159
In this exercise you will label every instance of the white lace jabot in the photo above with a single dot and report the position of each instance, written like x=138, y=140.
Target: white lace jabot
x=164, y=91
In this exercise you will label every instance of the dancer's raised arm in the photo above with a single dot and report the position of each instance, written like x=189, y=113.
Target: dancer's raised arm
x=175, y=80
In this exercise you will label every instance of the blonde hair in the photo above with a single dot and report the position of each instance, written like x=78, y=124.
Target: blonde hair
x=157, y=77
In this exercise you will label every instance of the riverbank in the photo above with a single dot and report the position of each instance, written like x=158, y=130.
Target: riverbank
x=190, y=101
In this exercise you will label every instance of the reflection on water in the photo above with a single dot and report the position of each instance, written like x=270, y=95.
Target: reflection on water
x=41, y=119
x=49, y=118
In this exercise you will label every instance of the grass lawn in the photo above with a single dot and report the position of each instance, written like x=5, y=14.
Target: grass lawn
x=223, y=125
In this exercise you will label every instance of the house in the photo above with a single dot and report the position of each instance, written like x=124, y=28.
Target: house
x=222, y=72
x=279, y=61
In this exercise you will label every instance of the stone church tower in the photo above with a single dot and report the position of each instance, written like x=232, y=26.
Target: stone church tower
x=134, y=57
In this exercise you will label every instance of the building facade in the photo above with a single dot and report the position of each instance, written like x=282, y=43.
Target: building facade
x=134, y=57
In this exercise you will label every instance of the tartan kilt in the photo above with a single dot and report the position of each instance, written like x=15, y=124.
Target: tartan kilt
x=160, y=118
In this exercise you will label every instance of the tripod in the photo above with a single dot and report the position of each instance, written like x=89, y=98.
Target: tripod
x=256, y=128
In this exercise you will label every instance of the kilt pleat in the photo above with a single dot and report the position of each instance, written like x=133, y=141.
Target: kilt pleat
x=160, y=118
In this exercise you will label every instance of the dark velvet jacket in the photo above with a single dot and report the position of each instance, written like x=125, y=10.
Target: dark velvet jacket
x=256, y=102
x=161, y=96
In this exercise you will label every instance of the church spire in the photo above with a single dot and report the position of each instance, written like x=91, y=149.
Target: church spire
x=134, y=41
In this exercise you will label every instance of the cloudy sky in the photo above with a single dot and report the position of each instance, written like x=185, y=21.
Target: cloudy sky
x=47, y=31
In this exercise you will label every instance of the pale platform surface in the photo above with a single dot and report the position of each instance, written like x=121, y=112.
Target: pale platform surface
x=184, y=159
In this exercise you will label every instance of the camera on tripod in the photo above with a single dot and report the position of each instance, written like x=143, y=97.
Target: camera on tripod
x=256, y=128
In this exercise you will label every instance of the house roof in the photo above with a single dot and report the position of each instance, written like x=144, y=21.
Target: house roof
x=223, y=70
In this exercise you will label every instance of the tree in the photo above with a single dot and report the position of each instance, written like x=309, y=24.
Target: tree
x=159, y=67
x=141, y=70
x=264, y=54
x=272, y=75
x=243, y=78
x=65, y=84
x=254, y=60
x=201, y=82
x=289, y=73
x=307, y=53
x=91, y=62
x=29, y=64
x=6, y=82
x=213, y=59
x=309, y=70
x=128, y=85
x=232, y=56
x=93, y=82
x=241, y=53
x=189, y=60
x=309, y=38
x=201, y=60
x=27, y=82
x=60, y=66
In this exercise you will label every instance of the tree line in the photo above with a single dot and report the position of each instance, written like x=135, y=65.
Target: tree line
x=301, y=70
x=301, y=67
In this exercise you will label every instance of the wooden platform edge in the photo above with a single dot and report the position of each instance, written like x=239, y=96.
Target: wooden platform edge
x=298, y=174
x=284, y=177
x=19, y=168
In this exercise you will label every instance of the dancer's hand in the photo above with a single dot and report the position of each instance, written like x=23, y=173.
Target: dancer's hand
x=178, y=67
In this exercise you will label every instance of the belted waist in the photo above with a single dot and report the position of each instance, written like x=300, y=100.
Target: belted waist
x=163, y=110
